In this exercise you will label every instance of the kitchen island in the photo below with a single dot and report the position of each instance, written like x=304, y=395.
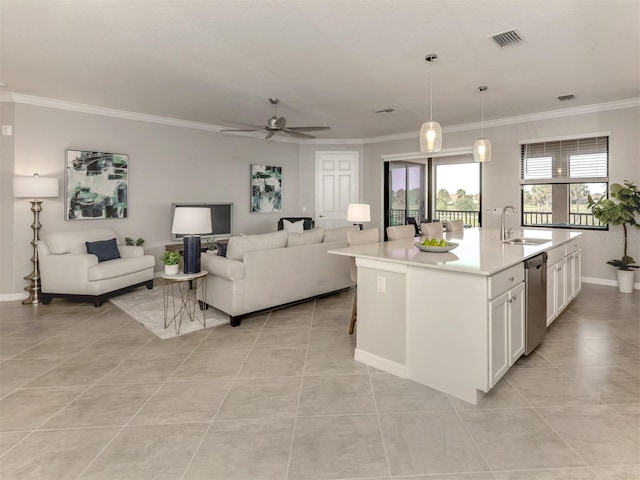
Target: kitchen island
x=455, y=321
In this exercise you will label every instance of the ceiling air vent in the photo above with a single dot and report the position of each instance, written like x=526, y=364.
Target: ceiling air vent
x=564, y=98
x=507, y=39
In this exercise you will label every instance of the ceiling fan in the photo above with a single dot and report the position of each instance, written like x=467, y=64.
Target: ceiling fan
x=275, y=125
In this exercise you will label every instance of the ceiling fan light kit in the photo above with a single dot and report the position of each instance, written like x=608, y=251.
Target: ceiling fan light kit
x=431, y=132
x=482, y=146
x=275, y=125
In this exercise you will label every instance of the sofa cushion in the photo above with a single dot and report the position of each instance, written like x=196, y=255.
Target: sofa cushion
x=74, y=241
x=120, y=266
x=308, y=237
x=238, y=246
x=104, y=249
x=293, y=227
x=338, y=234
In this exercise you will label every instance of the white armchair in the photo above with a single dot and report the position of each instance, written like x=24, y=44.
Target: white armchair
x=67, y=270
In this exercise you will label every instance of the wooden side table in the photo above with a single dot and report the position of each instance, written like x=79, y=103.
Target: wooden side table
x=184, y=287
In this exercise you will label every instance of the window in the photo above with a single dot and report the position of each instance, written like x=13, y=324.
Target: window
x=557, y=177
x=457, y=190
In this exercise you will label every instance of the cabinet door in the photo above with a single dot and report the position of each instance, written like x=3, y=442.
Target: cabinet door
x=577, y=273
x=516, y=323
x=551, y=293
x=561, y=285
x=569, y=277
x=498, y=338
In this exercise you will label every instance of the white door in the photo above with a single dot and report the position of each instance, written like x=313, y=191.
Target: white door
x=336, y=187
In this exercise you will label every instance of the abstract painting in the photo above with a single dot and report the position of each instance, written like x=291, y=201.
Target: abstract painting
x=95, y=185
x=266, y=189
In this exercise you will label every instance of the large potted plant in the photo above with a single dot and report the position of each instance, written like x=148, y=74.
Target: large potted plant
x=620, y=209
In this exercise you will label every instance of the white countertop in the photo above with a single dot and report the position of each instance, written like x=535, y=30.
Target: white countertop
x=479, y=250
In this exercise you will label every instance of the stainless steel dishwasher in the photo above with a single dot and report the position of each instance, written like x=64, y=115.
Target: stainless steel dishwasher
x=535, y=277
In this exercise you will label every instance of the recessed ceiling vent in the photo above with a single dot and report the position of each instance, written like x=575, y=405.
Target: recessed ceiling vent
x=564, y=98
x=507, y=39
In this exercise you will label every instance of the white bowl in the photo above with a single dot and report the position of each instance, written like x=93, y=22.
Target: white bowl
x=429, y=248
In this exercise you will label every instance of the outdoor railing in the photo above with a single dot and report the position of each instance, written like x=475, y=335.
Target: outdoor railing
x=575, y=219
x=397, y=216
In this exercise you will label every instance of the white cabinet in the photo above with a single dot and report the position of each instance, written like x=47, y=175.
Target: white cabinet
x=564, y=270
x=506, y=321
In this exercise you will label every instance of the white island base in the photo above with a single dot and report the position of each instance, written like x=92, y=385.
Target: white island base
x=454, y=322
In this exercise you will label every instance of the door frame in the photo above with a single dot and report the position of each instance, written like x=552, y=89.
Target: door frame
x=355, y=191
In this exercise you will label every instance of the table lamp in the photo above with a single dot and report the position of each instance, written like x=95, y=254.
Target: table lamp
x=35, y=187
x=191, y=222
x=358, y=213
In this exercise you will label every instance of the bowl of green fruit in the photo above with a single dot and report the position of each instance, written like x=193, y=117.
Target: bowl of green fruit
x=435, y=245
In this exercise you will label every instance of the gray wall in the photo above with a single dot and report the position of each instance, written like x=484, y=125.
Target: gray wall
x=176, y=164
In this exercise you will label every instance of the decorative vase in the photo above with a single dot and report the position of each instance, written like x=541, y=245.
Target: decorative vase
x=625, y=280
x=171, y=269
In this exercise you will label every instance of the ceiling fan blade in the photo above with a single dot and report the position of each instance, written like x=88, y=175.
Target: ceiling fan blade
x=281, y=122
x=308, y=129
x=242, y=130
x=270, y=134
x=242, y=123
x=293, y=133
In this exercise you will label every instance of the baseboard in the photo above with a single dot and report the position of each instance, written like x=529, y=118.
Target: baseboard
x=11, y=297
x=606, y=282
x=380, y=363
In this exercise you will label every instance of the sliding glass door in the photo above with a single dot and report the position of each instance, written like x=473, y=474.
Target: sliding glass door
x=405, y=192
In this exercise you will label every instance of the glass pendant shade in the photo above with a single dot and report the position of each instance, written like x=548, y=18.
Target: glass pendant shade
x=430, y=137
x=482, y=150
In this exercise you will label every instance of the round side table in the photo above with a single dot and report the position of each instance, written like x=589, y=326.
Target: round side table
x=184, y=287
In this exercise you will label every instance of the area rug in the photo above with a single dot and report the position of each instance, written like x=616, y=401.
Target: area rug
x=147, y=307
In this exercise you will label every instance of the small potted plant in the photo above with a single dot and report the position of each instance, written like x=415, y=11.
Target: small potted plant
x=621, y=209
x=171, y=262
x=131, y=242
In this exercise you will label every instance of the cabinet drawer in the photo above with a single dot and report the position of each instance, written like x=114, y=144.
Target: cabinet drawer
x=555, y=255
x=574, y=245
x=503, y=281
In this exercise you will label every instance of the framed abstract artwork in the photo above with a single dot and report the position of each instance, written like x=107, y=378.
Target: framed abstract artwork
x=266, y=189
x=95, y=185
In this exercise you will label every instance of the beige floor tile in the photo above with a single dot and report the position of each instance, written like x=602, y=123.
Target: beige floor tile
x=10, y=439
x=55, y=454
x=503, y=395
x=229, y=339
x=183, y=402
x=61, y=345
x=395, y=394
x=261, y=398
x=77, y=370
x=579, y=473
x=210, y=365
x=145, y=368
x=16, y=373
x=507, y=439
x=181, y=344
x=345, y=446
x=242, y=450
x=114, y=344
x=287, y=362
x=609, y=384
x=154, y=452
x=295, y=337
x=428, y=443
x=599, y=434
x=332, y=361
x=619, y=472
x=336, y=395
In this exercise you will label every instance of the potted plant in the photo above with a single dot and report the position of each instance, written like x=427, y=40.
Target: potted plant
x=131, y=242
x=621, y=209
x=171, y=262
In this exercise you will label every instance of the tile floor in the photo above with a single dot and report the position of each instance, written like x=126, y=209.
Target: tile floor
x=88, y=393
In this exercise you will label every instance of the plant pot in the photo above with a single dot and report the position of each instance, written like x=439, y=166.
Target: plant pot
x=625, y=280
x=171, y=269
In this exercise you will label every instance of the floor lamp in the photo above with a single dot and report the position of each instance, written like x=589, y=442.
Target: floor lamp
x=191, y=222
x=35, y=187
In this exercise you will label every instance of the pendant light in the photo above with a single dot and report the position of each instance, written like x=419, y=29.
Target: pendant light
x=431, y=132
x=482, y=146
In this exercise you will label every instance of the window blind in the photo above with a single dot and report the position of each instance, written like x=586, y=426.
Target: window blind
x=565, y=161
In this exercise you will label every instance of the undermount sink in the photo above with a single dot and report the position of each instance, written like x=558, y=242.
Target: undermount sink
x=526, y=241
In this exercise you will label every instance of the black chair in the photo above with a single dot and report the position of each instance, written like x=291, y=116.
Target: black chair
x=307, y=225
x=412, y=221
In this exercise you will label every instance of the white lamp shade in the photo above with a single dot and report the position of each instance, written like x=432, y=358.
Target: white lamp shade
x=36, y=187
x=191, y=221
x=358, y=213
x=482, y=150
x=430, y=137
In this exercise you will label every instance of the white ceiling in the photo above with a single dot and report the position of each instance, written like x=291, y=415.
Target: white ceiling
x=331, y=62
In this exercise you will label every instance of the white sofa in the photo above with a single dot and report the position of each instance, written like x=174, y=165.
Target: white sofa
x=274, y=269
x=67, y=270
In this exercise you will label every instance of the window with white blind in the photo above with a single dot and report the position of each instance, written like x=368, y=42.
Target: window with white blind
x=556, y=178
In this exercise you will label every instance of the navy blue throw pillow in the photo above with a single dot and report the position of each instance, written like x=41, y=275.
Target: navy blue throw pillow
x=103, y=249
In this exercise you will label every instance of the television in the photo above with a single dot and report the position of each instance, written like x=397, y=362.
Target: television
x=221, y=218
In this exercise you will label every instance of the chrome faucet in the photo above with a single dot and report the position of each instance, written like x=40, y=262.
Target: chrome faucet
x=504, y=234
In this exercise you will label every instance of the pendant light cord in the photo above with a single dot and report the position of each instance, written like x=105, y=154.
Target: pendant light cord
x=482, y=110
x=431, y=91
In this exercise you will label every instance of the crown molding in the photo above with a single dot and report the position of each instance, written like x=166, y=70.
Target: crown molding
x=123, y=114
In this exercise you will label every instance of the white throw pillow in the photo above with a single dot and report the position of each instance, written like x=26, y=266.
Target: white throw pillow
x=307, y=237
x=293, y=227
